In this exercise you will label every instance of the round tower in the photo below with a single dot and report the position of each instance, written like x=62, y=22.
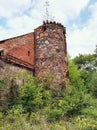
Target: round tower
x=51, y=52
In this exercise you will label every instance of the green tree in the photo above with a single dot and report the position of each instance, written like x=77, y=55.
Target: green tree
x=31, y=94
x=75, y=76
x=85, y=62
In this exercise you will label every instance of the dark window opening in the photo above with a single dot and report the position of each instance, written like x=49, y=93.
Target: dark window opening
x=28, y=53
x=33, y=72
x=44, y=28
x=57, y=50
x=64, y=32
x=1, y=52
x=67, y=74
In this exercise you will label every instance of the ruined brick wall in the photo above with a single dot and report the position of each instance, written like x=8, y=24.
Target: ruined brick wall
x=8, y=69
x=11, y=71
x=50, y=52
x=18, y=54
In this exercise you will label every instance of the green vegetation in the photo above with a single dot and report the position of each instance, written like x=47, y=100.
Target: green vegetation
x=37, y=106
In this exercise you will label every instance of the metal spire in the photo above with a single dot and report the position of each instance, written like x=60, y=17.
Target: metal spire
x=47, y=15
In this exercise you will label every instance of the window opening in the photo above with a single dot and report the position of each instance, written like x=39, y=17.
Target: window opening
x=28, y=53
x=44, y=28
x=1, y=52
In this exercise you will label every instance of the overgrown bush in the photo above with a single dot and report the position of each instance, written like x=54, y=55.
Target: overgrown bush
x=36, y=105
x=35, y=97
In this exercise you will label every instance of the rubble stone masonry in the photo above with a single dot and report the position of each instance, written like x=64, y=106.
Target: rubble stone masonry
x=50, y=52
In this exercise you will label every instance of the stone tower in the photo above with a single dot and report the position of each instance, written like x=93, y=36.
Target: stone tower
x=51, y=52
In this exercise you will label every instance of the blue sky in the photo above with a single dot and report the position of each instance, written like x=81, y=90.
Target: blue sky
x=19, y=17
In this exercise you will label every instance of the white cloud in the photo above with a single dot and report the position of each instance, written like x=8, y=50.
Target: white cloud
x=68, y=9
x=18, y=26
x=62, y=10
x=10, y=8
x=84, y=40
x=25, y=15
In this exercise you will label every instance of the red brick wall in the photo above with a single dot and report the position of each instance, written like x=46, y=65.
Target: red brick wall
x=24, y=53
x=20, y=50
x=16, y=42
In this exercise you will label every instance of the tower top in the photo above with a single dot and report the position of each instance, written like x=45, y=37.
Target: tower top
x=51, y=24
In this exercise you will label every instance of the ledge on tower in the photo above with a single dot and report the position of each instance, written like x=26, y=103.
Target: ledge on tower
x=52, y=22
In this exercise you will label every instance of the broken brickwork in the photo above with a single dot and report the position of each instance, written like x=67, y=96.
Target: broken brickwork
x=7, y=69
x=10, y=71
x=51, y=52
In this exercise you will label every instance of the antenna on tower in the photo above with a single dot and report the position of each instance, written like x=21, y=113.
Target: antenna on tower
x=47, y=10
x=47, y=14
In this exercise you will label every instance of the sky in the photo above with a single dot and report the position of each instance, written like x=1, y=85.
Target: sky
x=18, y=17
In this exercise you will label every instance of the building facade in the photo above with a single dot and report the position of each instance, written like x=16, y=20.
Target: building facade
x=41, y=52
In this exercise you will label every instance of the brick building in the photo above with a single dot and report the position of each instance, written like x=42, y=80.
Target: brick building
x=40, y=52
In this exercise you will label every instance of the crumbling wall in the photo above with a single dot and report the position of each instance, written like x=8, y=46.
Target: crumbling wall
x=44, y=50
x=50, y=52
x=10, y=70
